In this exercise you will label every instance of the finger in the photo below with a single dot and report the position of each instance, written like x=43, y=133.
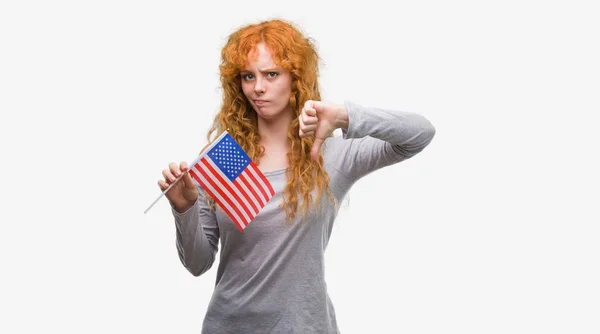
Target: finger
x=187, y=177
x=302, y=125
x=306, y=119
x=309, y=128
x=168, y=175
x=162, y=185
x=183, y=166
x=314, y=153
x=187, y=180
x=310, y=112
x=310, y=108
x=306, y=134
x=301, y=119
x=309, y=104
x=174, y=168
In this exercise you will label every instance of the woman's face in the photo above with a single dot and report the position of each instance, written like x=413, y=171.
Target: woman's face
x=267, y=86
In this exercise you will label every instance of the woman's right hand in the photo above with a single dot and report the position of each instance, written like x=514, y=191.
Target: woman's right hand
x=184, y=193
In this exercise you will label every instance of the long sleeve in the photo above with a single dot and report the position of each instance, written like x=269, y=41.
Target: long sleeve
x=376, y=138
x=197, y=236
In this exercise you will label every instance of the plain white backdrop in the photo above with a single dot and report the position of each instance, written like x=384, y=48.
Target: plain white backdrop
x=491, y=229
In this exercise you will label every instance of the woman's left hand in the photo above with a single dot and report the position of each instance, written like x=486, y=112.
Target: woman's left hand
x=319, y=119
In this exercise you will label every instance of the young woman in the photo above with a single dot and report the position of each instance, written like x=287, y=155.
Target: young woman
x=270, y=277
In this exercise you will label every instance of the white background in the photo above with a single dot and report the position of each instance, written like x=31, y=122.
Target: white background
x=491, y=229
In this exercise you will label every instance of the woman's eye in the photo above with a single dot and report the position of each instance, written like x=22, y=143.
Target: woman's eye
x=272, y=74
x=247, y=76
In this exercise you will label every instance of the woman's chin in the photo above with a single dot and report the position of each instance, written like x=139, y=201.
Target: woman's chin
x=266, y=112
x=269, y=113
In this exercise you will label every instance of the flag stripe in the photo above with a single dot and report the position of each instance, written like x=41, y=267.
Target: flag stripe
x=252, y=187
x=244, y=191
x=209, y=189
x=219, y=186
x=223, y=204
x=224, y=181
x=217, y=190
x=262, y=176
x=253, y=170
x=255, y=182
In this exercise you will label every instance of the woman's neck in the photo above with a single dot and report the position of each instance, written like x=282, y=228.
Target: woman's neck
x=274, y=138
x=274, y=133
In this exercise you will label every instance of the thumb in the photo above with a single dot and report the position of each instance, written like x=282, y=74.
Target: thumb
x=314, y=152
x=187, y=177
x=187, y=180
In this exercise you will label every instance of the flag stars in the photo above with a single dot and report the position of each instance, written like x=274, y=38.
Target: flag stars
x=230, y=157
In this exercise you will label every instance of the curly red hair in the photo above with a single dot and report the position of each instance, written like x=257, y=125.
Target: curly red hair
x=297, y=54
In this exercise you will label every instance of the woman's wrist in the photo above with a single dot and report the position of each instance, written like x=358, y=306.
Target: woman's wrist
x=341, y=121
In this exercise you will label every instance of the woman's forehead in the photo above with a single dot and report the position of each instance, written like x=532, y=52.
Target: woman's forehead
x=260, y=57
x=260, y=52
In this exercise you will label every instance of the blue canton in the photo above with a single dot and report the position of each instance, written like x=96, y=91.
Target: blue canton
x=229, y=157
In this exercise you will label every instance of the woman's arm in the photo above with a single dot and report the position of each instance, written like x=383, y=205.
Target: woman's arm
x=372, y=137
x=197, y=236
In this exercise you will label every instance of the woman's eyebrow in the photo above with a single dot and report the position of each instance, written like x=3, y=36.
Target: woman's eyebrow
x=262, y=70
x=270, y=69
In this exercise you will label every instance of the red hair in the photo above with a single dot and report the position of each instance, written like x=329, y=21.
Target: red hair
x=297, y=54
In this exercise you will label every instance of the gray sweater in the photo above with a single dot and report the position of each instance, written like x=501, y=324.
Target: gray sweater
x=271, y=276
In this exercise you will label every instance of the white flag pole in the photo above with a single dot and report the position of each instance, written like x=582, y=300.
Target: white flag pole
x=165, y=191
x=206, y=150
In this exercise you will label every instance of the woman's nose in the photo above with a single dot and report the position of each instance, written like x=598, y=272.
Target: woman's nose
x=259, y=87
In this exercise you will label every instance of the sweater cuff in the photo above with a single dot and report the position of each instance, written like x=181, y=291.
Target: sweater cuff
x=354, y=119
x=187, y=213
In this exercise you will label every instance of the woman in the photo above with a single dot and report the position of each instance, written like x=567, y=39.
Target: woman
x=270, y=277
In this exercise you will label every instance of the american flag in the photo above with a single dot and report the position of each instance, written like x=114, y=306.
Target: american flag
x=228, y=175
